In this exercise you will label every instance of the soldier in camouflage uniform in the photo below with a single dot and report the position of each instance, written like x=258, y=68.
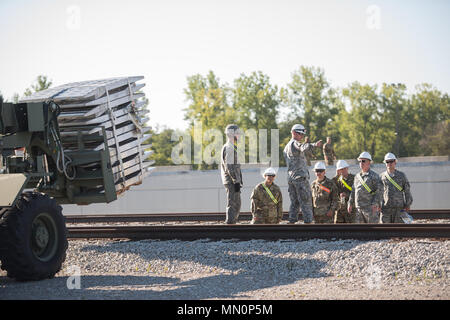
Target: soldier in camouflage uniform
x=328, y=152
x=308, y=154
x=298, y=175
x=231, y=174
x=366, y=192
x=324, y=196
x=397, y=194
x=344, y=181
x=267, y=200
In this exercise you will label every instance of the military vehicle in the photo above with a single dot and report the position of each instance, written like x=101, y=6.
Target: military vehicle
x=79, y=143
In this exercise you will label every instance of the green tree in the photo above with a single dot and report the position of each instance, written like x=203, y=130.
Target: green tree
x=256, y=100
x=428, y=113
x=361, y=125
x=42, y=83
x=162, y=145
x=209, y=108
x=257, y=103
x=312, y=101
x=436, y=139
x=208, y=102
x=393, y=120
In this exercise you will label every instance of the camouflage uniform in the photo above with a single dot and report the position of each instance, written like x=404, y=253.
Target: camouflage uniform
x=264, y=209
x=363, y=200
x=328, y=154
x=395, y=200
x=342, y=215
x=231, y=176
x=308, y=156
x=325, y=198
x=298, y=180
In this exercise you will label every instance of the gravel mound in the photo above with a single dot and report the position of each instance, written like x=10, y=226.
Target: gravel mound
x=257, y=269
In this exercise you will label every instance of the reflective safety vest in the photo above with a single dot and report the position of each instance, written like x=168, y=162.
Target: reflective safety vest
x=270, y=194
x=324, y=189
x=364, y=184
x=341, y=179
x=393, y=182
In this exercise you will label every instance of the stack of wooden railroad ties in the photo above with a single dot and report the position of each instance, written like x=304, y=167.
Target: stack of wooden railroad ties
x=115, y=107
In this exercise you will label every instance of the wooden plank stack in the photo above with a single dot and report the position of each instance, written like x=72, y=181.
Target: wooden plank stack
x=115, y=105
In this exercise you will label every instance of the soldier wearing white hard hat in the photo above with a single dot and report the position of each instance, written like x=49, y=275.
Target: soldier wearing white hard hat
x=324, y=195
x=298, y=174
x=344, y=182
x=267, y=200
x=367, y=191
x=397, y=197
x=231, y=174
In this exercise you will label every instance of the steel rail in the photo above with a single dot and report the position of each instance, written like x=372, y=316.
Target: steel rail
x=266, y=232
x=208, y=216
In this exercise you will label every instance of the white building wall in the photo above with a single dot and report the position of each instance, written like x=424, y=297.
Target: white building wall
x=202, y=191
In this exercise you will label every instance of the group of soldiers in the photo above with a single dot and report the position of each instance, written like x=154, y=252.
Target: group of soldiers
x=346, y=198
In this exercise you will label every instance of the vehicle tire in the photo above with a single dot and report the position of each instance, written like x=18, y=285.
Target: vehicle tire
x=33, y=238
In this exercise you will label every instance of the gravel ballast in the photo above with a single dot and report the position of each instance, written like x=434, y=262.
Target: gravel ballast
x=257, y=269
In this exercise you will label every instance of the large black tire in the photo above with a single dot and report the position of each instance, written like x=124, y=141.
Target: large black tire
x=33, y=238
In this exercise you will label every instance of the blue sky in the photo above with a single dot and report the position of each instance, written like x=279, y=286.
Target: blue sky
x=166, y=41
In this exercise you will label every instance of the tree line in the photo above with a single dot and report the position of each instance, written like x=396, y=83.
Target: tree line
x=359, y=117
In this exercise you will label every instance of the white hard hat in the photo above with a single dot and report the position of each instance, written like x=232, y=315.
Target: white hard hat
x=341, y=164
x=232, y=130
x=269, y=172
x=298, y=128
x=365, y=155
x=389, y=156
x=320, y=166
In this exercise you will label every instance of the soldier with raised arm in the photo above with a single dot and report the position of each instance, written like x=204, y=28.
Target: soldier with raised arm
x=298, y=174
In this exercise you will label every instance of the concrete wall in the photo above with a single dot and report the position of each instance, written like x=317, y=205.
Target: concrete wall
x=182, y=191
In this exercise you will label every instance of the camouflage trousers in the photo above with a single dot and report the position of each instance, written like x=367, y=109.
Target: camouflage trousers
x=391, y=215
x=301, y=197
x=365, y=215
x=342, y=216
x=323, y=218
x=262, y=218
x=329, y=161
x=233, y=204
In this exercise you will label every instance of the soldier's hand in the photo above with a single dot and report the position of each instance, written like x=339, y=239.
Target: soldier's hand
x=349, y=208
x=375, y=208
x=330, y=213
x=318, y=144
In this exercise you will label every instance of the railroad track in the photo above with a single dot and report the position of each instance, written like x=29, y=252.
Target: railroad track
x=244, y=216
x=266, y=232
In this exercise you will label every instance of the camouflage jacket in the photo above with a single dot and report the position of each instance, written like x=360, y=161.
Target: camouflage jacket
x=328, y=151
x=324, y=196
x=230, y=168
x=262, y=203
x=393, y=197
x=343, y=189
x=294, y=153
x=360, y=196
